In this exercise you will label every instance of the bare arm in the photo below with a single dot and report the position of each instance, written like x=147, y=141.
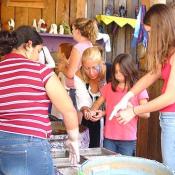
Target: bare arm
x=146, y=81
x=144, y=115
x=62, y=102
x=94, y=109
x=96, y=105
x=74, y=61
x=163, y=100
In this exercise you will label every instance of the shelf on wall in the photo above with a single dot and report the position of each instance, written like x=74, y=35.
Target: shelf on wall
x=118, y=20
x=52, y=41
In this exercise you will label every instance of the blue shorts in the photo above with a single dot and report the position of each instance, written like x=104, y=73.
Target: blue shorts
x=167, y=124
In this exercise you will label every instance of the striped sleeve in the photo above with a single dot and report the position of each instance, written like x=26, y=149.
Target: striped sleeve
x=45, y=73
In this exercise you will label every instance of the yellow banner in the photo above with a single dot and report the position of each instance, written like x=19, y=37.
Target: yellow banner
x=118, y=20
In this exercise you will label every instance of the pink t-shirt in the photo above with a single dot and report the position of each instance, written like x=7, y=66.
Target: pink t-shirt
x=81, y=47
x=114, y=130
x=166, y=69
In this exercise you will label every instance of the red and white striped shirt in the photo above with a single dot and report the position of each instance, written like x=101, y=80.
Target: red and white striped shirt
x=23, y=98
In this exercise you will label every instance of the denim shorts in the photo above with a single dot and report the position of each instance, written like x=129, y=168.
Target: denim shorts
x=123, y=147
x=167, y=124
x=24, y=155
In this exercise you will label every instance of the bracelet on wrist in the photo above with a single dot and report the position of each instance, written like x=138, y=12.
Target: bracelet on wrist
x=134, y=111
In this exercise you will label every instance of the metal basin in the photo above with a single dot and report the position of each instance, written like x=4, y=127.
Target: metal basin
x=87, y=153
x=123, y=165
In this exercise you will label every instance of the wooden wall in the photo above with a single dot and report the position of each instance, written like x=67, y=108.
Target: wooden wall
x=56, y=11
x=120, y=37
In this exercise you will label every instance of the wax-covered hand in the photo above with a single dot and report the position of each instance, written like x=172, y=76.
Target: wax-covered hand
x=122, y=104
x=126, y=115
x=73, y=146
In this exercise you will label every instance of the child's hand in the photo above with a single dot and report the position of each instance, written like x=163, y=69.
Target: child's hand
x=96, y=115
x=86, y=113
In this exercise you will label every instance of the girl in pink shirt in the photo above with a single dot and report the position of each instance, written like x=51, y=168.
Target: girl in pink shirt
x=117, y=137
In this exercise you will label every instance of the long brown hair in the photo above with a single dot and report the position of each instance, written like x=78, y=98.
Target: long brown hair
x=87, y=28
x=161, y=19
x=128, y=69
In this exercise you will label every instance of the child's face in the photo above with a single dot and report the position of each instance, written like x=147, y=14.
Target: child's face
x=118, y=74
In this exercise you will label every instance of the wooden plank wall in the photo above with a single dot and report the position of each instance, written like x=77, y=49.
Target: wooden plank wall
x=121, y=37
x=56, y=11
